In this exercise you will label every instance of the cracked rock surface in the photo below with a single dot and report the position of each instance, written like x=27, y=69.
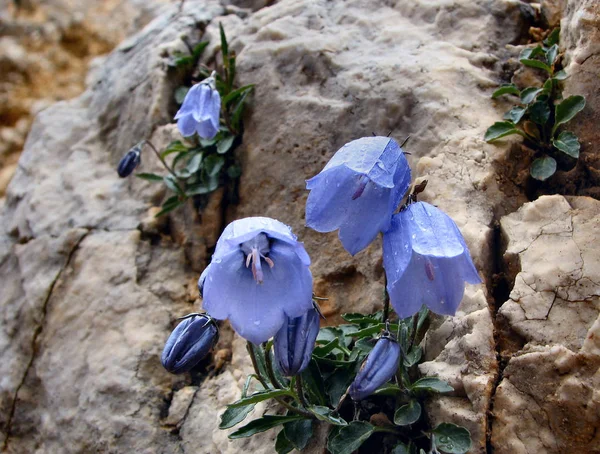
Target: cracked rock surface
x=93, y=283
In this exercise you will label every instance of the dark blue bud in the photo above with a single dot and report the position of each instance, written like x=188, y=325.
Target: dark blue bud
x=130, y=161
x=189, y=343
x=378, y=368
x=294, y=342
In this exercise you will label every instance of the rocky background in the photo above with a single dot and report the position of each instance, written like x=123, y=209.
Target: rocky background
x=92, y=283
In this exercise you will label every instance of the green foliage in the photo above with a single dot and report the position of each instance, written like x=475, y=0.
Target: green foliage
x=451, y=438
x=200, y=166
x=541, y=112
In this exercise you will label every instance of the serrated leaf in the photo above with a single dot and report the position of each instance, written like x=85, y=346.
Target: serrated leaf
x=536, y=64
x=432, y=384
x=500, y=129
x=263, y=424
x=350, y=438
x=529, y=94
x=543, y=168
x=149, y=176
x=234, y=415
x=408, y=414
x=567, y=109
x=539, y=112
x=225, y=144
x=326, y=414
x=551, y=54
x=298, y=433
x=180, y=93
x=261, y=396
x=568, y=143
x=515, y=114
x=507, y=89
x=560, y=75
x=552, y=38
x=452, y=439
x=282, y=444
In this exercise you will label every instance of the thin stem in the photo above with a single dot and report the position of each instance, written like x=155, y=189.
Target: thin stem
x=162, y=160
x=386, y=300
x=300, y=391
x=342, y=399
x=269, y=365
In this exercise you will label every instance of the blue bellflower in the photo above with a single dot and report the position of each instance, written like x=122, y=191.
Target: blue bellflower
x=426, y=261
x=200, y=110
x=294, y=342
x=358, y=191
x=379, y=367
x=189, y=343
x=258, y=278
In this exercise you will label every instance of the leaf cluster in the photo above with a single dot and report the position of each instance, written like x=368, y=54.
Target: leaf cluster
x=201, y=166
x=541, y=111
x=320, y=391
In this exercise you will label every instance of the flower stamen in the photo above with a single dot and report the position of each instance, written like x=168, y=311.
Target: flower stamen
x=255, y=250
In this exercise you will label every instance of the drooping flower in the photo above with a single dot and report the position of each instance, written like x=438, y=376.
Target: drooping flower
x=426, y=261
x=200, y=110
x=379, y=367
x=358, y=191
x=189, y=343
x=294, y=342
x=130, y=161
x=258, y=277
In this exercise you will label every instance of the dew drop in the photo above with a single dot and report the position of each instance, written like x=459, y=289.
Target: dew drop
x=414, y=236
x=257, y=322
x=217, y=260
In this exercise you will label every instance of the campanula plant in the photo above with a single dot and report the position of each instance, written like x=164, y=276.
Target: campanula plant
x=258, y=278
x=358, y=191
x=200, y=110
x=426, y=261
x=130, y=161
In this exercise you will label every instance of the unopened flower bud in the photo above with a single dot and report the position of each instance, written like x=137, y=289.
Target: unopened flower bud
x=130, y=161
x=294, y=342
x=378, y=368
x=189, y=343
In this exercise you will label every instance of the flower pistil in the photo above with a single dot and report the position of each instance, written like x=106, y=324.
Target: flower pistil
x=255, y=249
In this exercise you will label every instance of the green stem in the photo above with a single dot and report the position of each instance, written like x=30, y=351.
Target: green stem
x=300, y=392
x=162, y=160
x=269, y=365
x=386, y=300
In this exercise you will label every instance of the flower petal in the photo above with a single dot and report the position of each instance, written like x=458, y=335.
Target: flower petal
x=206, y=129
x=186, y=125
x=189, y=103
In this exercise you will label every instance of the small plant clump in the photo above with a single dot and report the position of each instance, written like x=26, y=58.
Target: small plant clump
x=541, y=112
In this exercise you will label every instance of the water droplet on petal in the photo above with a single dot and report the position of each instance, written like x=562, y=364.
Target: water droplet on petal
x=257, y=322
x=414, y=236
x=217, y=260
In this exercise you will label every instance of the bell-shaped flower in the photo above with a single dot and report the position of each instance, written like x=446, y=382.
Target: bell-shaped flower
x=130, y=161
x=358, y=191
x=200, y=110
x=379, y=367
x=294, y=342
x=189, y=343
x=258, y=278
x=426, y=261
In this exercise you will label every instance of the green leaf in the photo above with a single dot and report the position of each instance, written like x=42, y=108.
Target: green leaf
x=180, y=94
x=224, y=45
x=337, y=383
x=262, y=424
x=322, y=351
x=326, y=414
x=567, y=109
x=539, y=112
x=313, y=383
x=400, y=448
x=567, y=142
x=529, y=94
x=181, y=60
x=282, y=444
x=451, y=438
x=234, y=415
x=560, y=75
x=198, y=49
x=551, y=54
x=174, y=147
x=213, y=164
x=507, y=89
x=413, y=357
x=237, y=112
x=500, y=129
x=225, y=144
x=515, y=114
x=432, y=384
x=388, y=389
x=552, y=38
x=192, y=166
x=536, y=64
x=350, y=438
x=543, y=168
x=173, y=185
x=298, y=433
x=234, y=171
x=408, y=414
x=202, y=188
x=235, y=94
x=169, y=205
x=531, y=52
x=260, y=396
x=360, y=319
x=149, y=176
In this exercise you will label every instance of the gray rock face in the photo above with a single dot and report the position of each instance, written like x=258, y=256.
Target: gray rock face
x=93, y=284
